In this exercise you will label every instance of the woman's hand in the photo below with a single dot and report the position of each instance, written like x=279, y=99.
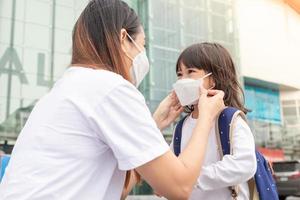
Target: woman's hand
x=210, y=103
x=168, y=110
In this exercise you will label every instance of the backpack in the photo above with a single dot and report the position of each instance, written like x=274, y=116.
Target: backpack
x=3, y=164
x=262, y=186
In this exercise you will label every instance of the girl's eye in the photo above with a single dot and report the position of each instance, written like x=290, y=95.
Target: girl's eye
x=191, y=71
x=179, y=74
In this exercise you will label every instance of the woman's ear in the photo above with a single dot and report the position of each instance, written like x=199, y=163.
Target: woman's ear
x=123, y=36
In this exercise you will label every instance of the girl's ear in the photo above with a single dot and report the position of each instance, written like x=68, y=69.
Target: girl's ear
x=212, y=82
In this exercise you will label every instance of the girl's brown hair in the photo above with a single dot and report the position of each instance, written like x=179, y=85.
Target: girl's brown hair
x=96, y=35
x=214, y=58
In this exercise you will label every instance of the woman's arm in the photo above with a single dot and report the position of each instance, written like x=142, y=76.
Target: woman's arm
x=166, y=113
x=174, y=177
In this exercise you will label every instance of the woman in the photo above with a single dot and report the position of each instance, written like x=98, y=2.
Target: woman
x=94, y=125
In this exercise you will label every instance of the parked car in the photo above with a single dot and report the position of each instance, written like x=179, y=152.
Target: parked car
x=287, y=176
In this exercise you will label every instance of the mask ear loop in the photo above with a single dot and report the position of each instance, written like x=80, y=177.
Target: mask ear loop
x=206, y=75
x=125, y=52
x=211, y=88
x=135, y=44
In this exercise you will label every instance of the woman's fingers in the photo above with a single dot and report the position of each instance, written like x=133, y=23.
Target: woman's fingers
x=167, y=111
x=217, y=93
x=211, y=101
x=177, y=111
x=203, y=91
x=180, y=110
x=173, y=97
x=177, y=106
x=214, y=92
x=219, y=100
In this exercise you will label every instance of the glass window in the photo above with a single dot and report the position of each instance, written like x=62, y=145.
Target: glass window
x=219, y=28
x=67, y=3
x=264, y=103
x=289, y=111
x=133, y=4
x=5, y=9
x=194, y=25
x=289, y=102
x=37, y=36
x=166, y=14
x=163, y=72
x=38, y=12
x=291, y=120
x=63, y=41
x=5, y=35
x=220, y=7
x=64, y=17
x=195, y=4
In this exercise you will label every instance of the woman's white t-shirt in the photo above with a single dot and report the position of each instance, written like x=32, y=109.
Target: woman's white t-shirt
x=81, y=138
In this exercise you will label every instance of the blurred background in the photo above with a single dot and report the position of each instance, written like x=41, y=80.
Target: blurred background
x=261, y=35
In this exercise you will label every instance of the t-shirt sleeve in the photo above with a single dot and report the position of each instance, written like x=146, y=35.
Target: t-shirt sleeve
x=126, y=125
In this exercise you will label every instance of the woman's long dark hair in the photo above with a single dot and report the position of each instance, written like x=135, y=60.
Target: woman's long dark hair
x=214, y=58
x=96, y=35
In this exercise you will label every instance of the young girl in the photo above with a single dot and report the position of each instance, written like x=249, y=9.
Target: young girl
x=211, y=65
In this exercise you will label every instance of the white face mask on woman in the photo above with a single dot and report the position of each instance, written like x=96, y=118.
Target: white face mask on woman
x=140, y=65
x=187, y=90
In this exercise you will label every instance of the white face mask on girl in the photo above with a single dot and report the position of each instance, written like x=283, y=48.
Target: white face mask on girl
x=140, y=65
x=187, y=90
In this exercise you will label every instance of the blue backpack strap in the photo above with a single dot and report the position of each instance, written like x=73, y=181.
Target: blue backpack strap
x=177, y=136
x=224, y=128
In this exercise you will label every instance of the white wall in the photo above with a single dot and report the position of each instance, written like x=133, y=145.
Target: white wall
x=269, y=34
x=290, y=95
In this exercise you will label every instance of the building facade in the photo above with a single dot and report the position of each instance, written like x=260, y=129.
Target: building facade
x=269, y=47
